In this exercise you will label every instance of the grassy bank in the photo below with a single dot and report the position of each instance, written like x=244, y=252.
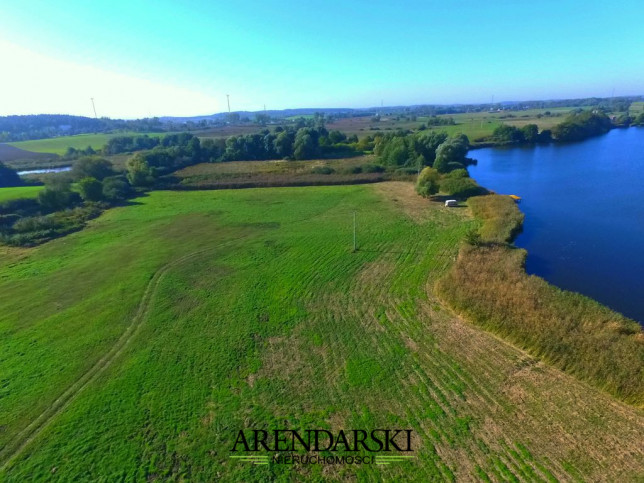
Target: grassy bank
x=488, y=285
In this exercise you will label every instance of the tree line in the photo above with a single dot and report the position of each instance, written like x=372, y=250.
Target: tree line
x=165, y=155
x=41, y=126
x=579, y=125
x=65, y=204
x=403, y=149
x=528, y=134
x=442, y=159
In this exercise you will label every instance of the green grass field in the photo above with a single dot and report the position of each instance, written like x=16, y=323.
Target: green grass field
x=59, y=145
x=136, y=349
x=19, y=192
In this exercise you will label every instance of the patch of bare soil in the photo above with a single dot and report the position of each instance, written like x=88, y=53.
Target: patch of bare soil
x=12, y=153
x=403, y=195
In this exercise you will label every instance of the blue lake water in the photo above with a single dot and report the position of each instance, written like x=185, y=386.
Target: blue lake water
x=584, y=207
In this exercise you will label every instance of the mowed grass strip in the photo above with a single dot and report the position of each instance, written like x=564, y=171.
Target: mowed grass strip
x=283, y=327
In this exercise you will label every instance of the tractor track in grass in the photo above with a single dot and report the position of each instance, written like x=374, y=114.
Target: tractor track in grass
x=15, y=447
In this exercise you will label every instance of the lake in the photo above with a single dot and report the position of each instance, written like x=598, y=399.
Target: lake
x=584, y=207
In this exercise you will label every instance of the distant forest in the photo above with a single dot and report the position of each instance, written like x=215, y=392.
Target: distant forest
x=23, y=128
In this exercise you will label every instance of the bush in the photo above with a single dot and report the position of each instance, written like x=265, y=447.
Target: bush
x=322, y=170
x=139, y=173
x=373, y=168
x=461, y=187
x=530, y=133
x=92, y=167
x=458, y=173
x=90, y=189
x=76, y=217
x=56, y=197
x=505, y=134
x=25, y=239
x=428, y=182
x=454, y=166
x=34, y=223
x=21, y=207
x=365, y=144
x=8, y=220
x=32, y=230
x=116, y=188
x=639, y=120
x=473, y=237
x=406, y=171
x=352, y=170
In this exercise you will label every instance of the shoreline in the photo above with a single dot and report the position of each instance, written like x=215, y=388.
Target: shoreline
x=548, y=265
x=570, y=331
x=492, y=144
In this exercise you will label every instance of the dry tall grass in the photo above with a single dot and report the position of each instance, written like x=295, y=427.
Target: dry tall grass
x=501, y=218
x=489, y=286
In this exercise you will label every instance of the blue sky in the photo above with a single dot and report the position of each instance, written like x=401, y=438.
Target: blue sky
x=141, y=58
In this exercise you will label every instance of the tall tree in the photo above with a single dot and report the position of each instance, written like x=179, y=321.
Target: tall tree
x=451, y=154
x=92, y=167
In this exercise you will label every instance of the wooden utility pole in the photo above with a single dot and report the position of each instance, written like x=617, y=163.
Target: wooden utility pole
x=355, y=245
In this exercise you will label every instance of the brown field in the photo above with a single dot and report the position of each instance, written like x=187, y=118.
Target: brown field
x=10, y=155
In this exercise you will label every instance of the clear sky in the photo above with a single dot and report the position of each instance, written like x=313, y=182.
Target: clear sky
x=141, y=58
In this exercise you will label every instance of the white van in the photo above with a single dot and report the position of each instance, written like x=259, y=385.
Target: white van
x=451, y=203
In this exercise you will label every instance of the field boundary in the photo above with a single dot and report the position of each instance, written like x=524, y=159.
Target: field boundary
x=273, y=184
x=15, y=447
